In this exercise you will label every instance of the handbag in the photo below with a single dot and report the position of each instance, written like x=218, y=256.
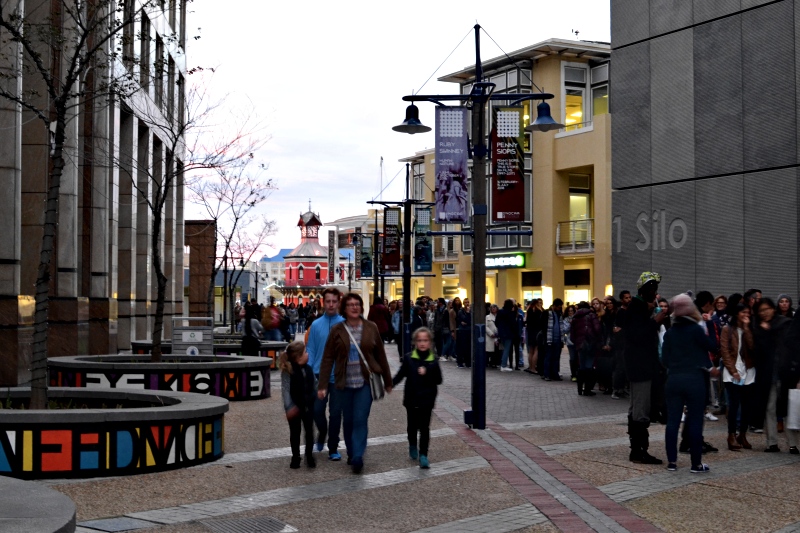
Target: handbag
x=375, y=380
x=793, y=416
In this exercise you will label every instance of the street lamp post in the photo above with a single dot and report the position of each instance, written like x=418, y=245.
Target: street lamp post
x=482, y=92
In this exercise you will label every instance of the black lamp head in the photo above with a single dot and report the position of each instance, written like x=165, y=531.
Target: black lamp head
x=411, y=124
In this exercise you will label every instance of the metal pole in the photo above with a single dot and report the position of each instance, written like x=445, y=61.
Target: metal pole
x=225, y=293
x=479, y=212
x=406, y=346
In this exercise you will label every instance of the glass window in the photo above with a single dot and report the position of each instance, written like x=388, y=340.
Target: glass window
x=573, y=108
x=513, y=240
x=512, y=78
x=300, y=272
x=497, y=241
x=575, y=75
x=466, y=243
x=600, y=74
x=528, y=197
x=600, y=100
x=499, y=81
x=526, y=241
x=317, y=272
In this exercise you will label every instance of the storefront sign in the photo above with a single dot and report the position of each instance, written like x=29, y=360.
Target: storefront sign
x=506, y=261
x=451, y=164
x=423, y=248
x=508, y=185
x=390, y=260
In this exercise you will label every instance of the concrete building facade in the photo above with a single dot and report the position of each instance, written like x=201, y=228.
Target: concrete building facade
x=103, y=289
x=705, y=144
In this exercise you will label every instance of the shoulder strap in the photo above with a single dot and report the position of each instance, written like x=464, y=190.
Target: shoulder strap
x=353, y=339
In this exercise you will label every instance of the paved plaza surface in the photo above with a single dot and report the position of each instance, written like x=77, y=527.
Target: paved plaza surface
x=548, y=460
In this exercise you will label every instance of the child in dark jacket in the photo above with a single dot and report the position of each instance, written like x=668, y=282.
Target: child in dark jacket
x=299, y=390
x=421, y=370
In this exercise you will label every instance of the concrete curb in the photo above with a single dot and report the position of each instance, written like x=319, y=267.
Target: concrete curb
x=27, y=507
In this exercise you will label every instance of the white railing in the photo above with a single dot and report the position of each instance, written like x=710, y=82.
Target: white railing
x=575, y=237
x=441, y=251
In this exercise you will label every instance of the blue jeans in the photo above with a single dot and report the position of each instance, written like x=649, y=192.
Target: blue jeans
x=508, y=345
x=355, y=404
x=449, y=345
x=322, y=421
x=292, y=329
x=552, y=360
x=688, y=390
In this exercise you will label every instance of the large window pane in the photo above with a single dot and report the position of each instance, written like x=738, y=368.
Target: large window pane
x=600, y=100
x=573, y=108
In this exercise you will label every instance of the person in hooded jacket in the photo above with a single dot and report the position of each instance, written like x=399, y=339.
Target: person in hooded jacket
x=685, y=356
x=785, y=307
x=769, y=336
x=421, y=370
x=586, y=334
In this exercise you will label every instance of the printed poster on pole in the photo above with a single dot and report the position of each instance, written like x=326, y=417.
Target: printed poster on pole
x=357, y=252
x=332, y=256
x=366, y=256
x=390, y=260
x=423, y=248
x=508, y=183
x=451, y=165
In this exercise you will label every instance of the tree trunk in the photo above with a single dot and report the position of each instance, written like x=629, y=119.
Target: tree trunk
x=39, y=356
x=161, y=280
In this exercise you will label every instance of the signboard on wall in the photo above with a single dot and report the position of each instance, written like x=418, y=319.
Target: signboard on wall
x=508, y=162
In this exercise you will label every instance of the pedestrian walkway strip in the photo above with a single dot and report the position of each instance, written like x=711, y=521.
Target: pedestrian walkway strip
x=274, y=453
x=791, y=528
x=283, y=496
x=515, y=426
x=502, y=521
x=580, y=446
x=640, y=487
x=568, y=501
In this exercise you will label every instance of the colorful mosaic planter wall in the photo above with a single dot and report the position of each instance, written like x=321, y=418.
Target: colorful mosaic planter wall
x=42, y=444
x=234, y=378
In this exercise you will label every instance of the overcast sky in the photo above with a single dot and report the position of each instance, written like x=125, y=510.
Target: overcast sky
x=329, y=78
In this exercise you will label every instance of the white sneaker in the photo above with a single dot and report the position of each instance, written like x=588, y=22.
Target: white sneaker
x=711, y=417
x=505, y=369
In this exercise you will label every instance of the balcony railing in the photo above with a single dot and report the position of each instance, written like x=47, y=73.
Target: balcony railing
x=575, y=237
x=442, y=251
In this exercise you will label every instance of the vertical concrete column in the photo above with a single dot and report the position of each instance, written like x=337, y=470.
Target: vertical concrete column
x=603, y=214
x=16, y=311
x=143, y=231
x=127, y=260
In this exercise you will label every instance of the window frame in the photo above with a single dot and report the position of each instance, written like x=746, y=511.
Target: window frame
x=587, y=103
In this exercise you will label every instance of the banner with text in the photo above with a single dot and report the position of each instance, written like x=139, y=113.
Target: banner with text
x=423, y=249
x=451, y=164
x=508, y=162
x=366, y=256
x=332, y=256
x=390, y=260
x=357, y=258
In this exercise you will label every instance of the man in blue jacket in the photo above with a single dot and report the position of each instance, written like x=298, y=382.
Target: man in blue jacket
x=317, y=337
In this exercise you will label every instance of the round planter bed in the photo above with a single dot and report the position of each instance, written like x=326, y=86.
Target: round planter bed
x=181, y=430
x=224, y=345
x=232, y=377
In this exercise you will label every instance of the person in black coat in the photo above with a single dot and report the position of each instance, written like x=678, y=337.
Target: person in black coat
x=421, y=370
x=299, y=390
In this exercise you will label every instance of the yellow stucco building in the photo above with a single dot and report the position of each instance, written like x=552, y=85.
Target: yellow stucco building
x=567, y=184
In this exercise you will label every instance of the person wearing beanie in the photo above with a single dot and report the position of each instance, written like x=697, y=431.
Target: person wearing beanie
x=641, y=363
x=685, y=356
x=785, y=307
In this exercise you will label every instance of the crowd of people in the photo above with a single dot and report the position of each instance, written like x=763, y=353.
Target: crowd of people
x=684, y=360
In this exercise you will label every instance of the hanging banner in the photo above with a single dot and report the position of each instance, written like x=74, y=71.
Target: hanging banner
x=366, y=256
x=423, y=249
x=357, y=258
x=390, y=259
x=332, y=256
x=451, y=164
x=508, y=185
